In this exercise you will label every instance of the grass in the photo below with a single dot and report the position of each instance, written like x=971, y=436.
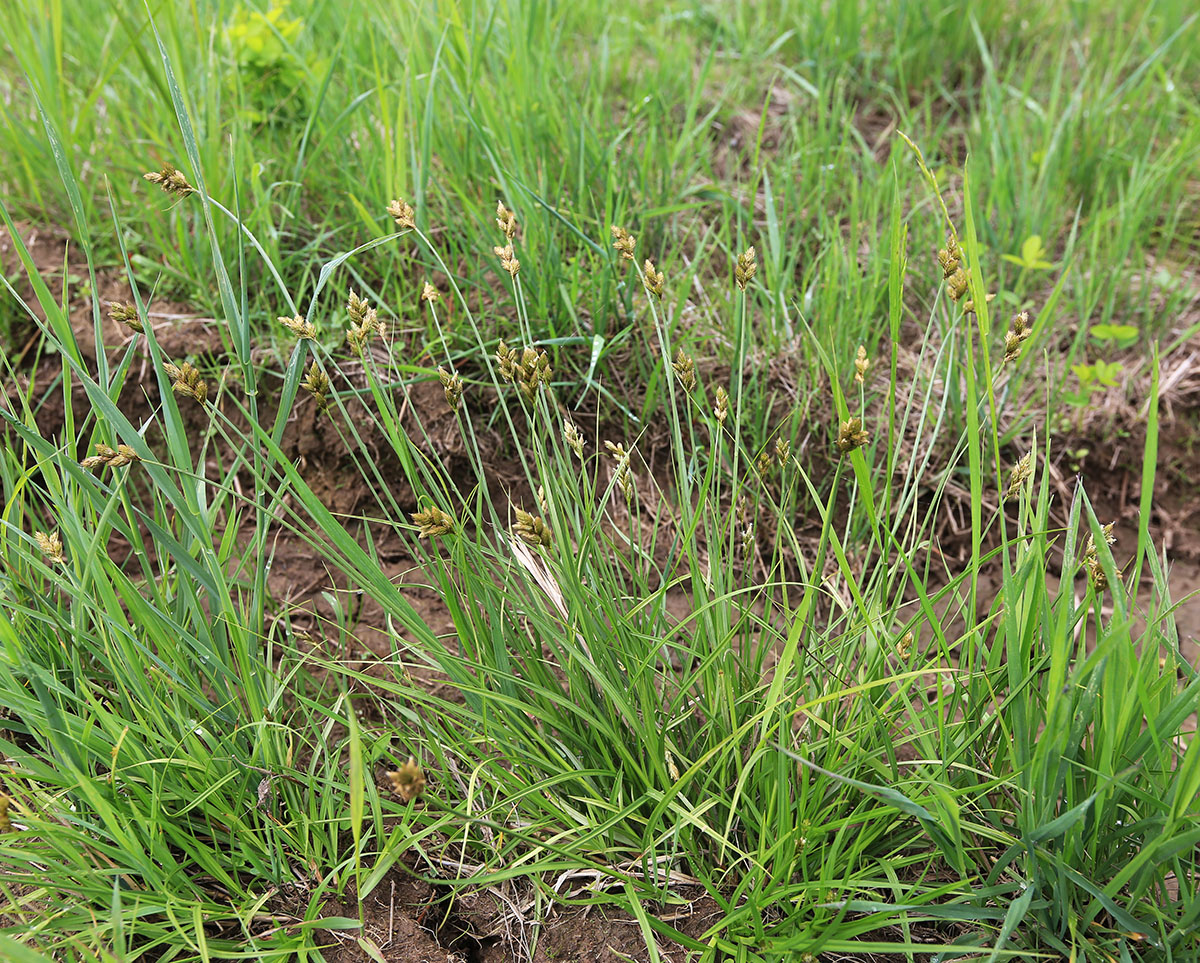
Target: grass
x=718, y=655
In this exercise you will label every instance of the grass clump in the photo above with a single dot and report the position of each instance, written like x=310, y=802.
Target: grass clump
x=684, y=646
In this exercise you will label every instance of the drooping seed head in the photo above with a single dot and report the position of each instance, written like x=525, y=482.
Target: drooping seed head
x=783, y=451
x=51, y=546
x=532, y=530
x=432, y=521
x=300, y=327
x=171, y=180
x=187, y=381
x=508, y=260
x=125, y=313
x=402, y=213
x=624, y=242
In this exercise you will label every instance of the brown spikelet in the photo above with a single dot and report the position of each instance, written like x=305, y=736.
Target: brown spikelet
x=171, y=180
x=407, y=782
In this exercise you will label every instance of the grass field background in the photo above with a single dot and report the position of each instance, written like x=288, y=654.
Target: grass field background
x=605, y=554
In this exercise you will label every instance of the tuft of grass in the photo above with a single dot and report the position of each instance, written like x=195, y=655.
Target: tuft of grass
x=703, y=646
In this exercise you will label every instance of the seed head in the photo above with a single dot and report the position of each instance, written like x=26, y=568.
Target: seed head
x=171, y=180
x=364, y=322
x=186, y=381
x=300, y=327
x=51, y=546
x=507, y=360
x=623, y=475
x=624, y=242
x=573, y=438
x=532, y=530
x=452, y=386
x=125, y=313
x=904, y=646
x=508, y=260
x=685, y=370
x=106, y=457
x=1021, y=472
x=402, y=213
x=861, y=364
x=654, y=280
x=969, y=304
x=851, y=436
x=430, y=294
x=316, y=383
x=506, y=220
x=721, y=409
x=747, y=265
x=1091, y=559
x=783, y=451
x=950, y=257
x=530, y=369
x=5, y=822
x=407, y=782
x=432, y=521
x=1017, y=334
x=957, y=284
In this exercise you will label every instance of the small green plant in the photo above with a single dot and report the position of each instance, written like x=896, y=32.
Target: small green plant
x=1122, y=336
x=1033, y=256
x=1092, y=378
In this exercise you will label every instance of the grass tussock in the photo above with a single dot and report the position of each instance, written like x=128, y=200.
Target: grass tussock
x=699, y=638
